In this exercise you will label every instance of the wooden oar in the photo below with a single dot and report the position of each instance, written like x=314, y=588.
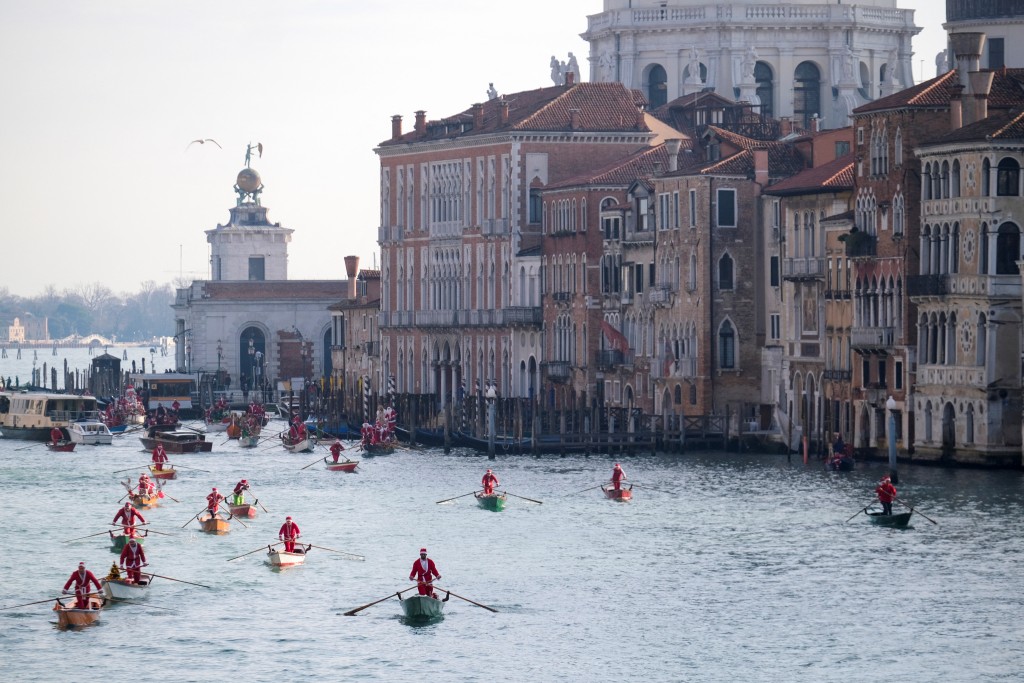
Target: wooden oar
x=187, y=468
x=125, y=470
x=473, y=602
x=311, y=464
x=231, y=516
x=89, y=536
x=901, y=502
x=159, y=576
x=457, y=497
x=671, y=493
x=160, y=488
x=193, y=517
x=585, y=490
x=256, y=501
x=257, y=550
x=538, y=502
x=340, y=552
x=863, y=509
x=25, y=448
x=352, y=612
x=39, y=602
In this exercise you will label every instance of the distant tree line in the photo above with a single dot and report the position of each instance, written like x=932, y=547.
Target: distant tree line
x=94, y=308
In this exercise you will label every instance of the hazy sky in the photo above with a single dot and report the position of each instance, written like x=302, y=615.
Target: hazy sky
x=101, y=97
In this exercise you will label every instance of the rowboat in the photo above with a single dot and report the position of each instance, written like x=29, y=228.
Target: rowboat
x=142, y=501
x=218, y=524
x=178, y=442
x=897, y=521
x=61, y=446
x=378, y=448
x=70, y=617
x=422, y=607
x=250, y=441
x=122, y=589
x=302, y=446
x=90, y=432
x=621, y=495
x=243, y=510
x=117, y=542
x=280, y=558
x=220, y=425
x=346, y=466
x=167, y=472
x=492, y=501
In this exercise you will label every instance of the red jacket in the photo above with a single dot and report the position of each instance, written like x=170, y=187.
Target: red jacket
x=159, y=454
x=489, y=481
x=886, y=492
x=424, y=575
x=82, y=580
x=213, y=501
x=239, y=487
x=289, y=530
x=132, y=558
x=336, y=449
x=618, y=474
x=127, y=516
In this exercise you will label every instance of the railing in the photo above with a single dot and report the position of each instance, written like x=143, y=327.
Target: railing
x=951, y=375
x=558, y=369
x=985, y=285
x=561, y=297
x=524, y=315
x=436, y=318
x=873, y=337
x=387, y=233
x=861, y=244
x=611, y=358
x=838, y=375
x=494, y=226
x=927, y=285
x=661, y=294
x=395, y=318
x=810, y=268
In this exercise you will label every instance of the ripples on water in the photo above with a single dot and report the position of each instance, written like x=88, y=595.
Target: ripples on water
x=741, y=570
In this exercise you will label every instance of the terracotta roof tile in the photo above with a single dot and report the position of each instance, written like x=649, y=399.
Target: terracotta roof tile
x=626, y=170
x=1002, y=125
x=783, y=159
x=834, y=176
x=1007, y=91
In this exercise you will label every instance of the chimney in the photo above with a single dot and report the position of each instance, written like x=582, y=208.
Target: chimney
x=672, y=147
x=570, y=78
x=981, y=86
x=761, y=166
x=967, y=47
x=352, y=269
x=503, y=112
x=421, y=121
x=574, y=118
x=815, y=124
x=785, y=126
x=478, y=116
x=956, y=109
x=396, y=126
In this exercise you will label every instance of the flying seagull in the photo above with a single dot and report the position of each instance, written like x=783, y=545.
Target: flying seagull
x=203, y=142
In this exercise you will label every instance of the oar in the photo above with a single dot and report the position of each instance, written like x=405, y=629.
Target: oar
x=187, y=468
x=863, y=509
x=193, y=517
x=311, y=464
x=352, y=612
x=584, y=491
x=178, y=580
x=256, y=501
x=257, y=550
x=466, y=599
x=340, y=552
x=158, y=533
x=25, y=448
x=39, y=602
x=232, y=516
x=160, y=488
x=538, y=502
x=89, y=536
x=917, y=511
x=120, y=471
x=457, y=497
x=671, y=493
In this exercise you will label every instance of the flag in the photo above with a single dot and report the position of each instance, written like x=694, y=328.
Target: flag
x=615, y=338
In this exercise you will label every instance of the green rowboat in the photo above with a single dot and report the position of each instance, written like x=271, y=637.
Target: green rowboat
x=118, y=542
x=898, y=521
x=494, y=502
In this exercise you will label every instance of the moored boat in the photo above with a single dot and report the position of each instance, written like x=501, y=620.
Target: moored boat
x=61, y=446
x=218, y=524
x=422, y=607
x=32, y=415
x=492, y=501
x=178, y=442
x=167, y=472
x=621, y=495
x=300, y=446
x=243, y=510
x=70, y=616
x=897, y=521
x=378, y=448
x=90, y=431
x=344, y=466
x=281, y=558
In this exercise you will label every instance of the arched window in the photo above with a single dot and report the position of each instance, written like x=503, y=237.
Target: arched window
x=1007, y=249
x=1008, y=178
x=657, y=86
x=726, y=346
x=986, y=178
x=897, y=150
x=926, y=182
x=725, y=274
x=954, y=180
x=765, y=88
x=806, y=92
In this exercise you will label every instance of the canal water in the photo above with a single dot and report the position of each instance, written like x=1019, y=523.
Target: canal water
x=724, y=567
x=78, y=358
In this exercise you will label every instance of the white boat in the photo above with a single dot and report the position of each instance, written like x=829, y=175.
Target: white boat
x=31, y=415
x=250, y=441
x=120, y=589
x=280, y=558
x=302, y=446
x=422, y=608
x=89, y=431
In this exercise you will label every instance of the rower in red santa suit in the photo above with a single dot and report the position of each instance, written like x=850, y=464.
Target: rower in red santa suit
x=82, y=579
x=618, y=476
x=489, y=482
x=56, y=436
x=127, y=516
x=424, y=571
x=288, y=533
x=146, y=485
x=133, y=558
x=336, y=448
x=213, y=501
x=238, y=495
x=886, y=493
x=159, y=456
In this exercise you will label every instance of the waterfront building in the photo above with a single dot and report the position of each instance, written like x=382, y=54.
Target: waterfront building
x=1002, y=22
x=796, y=59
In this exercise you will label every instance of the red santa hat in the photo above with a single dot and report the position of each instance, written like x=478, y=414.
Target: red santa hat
x=617, y=465
x=214, y=488
x=245, y=481
x=81, y=565
x=488, y=471
x=287, y=519
x=423, y=551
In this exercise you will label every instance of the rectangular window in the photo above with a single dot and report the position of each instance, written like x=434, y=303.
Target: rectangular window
x=675, y=210
x=860, y=136
x=663, y=211
x=866, y=370
x=842, y=148
x=726, y=208
x=643, y=214
x=536, y=206
x=776, y=331
x=693, y=208
x=257, y=270
x=897, y=380
x=775, y=271
x=882, y=374
x=996, y=53
x=638, y=278
x=650, y=274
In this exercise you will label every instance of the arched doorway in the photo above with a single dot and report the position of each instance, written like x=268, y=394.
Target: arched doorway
x=948, y=428
x=765, y=88
x=806, y=93
x=864, y=427
x=657, y=86
x=252, y=354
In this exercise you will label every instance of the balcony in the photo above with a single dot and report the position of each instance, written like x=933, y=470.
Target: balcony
x=837, y=375
x=985, y=285
x=951, y=375
x=927, y=285
x=873, y=339
x=860, y=244
x=394, y=318
x=494, y=226
x=803, y=269
x=558, y=370
x=372, y=348
x=436, y=318
x=389, y=233
x=561, y=297
x=661, y=295
x=524, y=315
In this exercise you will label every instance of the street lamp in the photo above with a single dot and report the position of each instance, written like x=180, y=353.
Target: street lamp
x=152, y=359
x=492, y=396
x=890, y=407
x=220, y=354
x=188, y=356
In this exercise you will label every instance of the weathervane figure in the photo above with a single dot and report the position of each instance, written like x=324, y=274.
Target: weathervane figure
x=248, y=152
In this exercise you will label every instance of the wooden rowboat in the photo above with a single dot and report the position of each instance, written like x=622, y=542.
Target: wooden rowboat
x=167, y=472
x=250, y=441
x=218, y=524
x=178, y=442
x=621, y=495
x=346, y=466
x=280, y=558
x=118, y=542
x=302, y=446
x=72, y=617
x=378, y=448
x=145, y=501
x=121, y=589
x=61, y=446
x=897, y=521
x=244, y=510
x=422, y=607
x=494, y=501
